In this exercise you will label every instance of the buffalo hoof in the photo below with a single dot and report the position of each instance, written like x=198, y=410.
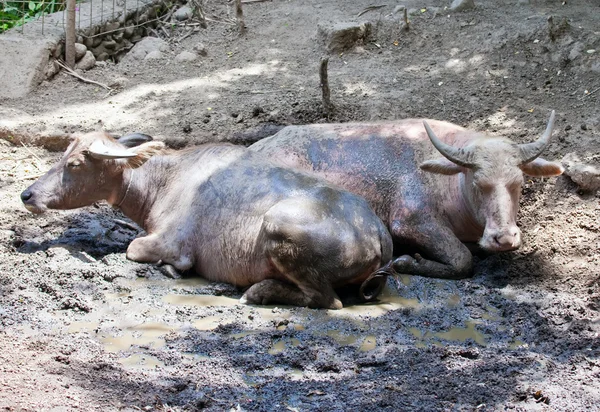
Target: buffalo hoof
x=372, y=287
x=169, y=271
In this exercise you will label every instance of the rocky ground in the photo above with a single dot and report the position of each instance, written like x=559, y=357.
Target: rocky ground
x=83, y=328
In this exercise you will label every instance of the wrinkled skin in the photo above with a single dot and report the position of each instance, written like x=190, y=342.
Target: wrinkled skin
x=227, y=214
x=431, y=205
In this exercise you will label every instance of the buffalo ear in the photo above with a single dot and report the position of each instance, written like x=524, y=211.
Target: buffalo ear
x=134, y=139
x=145, y=151
x=542, y=168
x=441, y=166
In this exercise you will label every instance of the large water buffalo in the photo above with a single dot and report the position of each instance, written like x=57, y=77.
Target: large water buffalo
x=432, y=205
x=224, y=212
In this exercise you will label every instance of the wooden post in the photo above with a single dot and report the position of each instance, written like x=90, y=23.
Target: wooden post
x=327, y=106
x=70, y=35
x=239, y=15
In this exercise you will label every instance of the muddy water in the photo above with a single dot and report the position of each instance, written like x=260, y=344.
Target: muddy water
x=126, y=325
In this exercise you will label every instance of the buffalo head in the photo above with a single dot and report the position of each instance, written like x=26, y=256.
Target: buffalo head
x=492, y=179
x=90, y=170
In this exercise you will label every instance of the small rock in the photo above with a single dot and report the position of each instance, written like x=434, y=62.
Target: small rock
x=586, y=176
x=88, y=42
x=462, y=5
x=200, y=49
x=80, y=50
x=183, y=13
x=128, y=32
x=87, y=62
x=144, y=47
x=186, y=56
x=154, y=55
x=52, y=69
x=118, y=37
x=112, y=26
x=583, y=126
x=110, y=44
x=343, y=36
x=103, y=57
x=575, y=51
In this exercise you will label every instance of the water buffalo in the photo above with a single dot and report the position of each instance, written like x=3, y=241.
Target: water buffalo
x=430, y=204
x=229, y=215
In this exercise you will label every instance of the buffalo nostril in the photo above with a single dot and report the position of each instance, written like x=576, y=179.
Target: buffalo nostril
x=26, y=195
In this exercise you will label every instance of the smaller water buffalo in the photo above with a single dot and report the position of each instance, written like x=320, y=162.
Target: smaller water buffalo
x=432, y=205
x=228, y=214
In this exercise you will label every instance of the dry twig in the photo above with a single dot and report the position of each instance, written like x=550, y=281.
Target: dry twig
x=83, y=79
x=370, y=8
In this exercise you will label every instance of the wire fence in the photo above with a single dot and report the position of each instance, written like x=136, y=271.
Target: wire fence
x=16, y=14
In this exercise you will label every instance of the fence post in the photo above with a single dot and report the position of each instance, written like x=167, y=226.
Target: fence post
x=70, y=35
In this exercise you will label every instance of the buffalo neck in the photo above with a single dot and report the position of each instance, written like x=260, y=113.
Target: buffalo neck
x=136, y=196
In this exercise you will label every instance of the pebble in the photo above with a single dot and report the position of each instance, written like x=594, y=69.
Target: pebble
x=87, y=62
x=186, y=56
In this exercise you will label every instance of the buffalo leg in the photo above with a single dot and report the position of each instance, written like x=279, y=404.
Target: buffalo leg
x=448, y=257
x=277, y=291
x=153, y=249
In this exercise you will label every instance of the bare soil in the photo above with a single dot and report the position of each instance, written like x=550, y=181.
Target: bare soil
x=83, y=328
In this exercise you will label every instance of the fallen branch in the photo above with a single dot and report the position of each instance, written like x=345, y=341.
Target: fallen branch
x=83, y=79
x=589, y=94
x=371, y=8
x=30, y=151
x=327, y=106
x=198, y=12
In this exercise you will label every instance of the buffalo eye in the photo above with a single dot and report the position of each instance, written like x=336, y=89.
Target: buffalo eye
x=73, y=164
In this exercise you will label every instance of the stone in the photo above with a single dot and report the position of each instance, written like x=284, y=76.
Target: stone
x=23, y=62
x=128, y=32
x=111, y=26
x=109, y=44
x=183, y=13
x=343, y=36
x=102, y=57
x=52, y=69
x=154, y=55
x=144, y=47
x=87, y=62
x=118, y=36
x=462, y=5
x=59, y=51
x=586, y=176
x=200, y=49
x=186, y=56
x=89, y=42
x=80, y=50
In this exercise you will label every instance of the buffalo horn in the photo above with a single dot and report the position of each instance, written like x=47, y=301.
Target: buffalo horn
x=461, y=157
x=530, y=151
x=99, y=150
x=134, y=139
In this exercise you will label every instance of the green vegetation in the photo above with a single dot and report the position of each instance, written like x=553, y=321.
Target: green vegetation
x=16, y=13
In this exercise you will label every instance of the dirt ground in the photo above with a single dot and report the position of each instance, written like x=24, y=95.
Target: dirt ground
x=82, y=328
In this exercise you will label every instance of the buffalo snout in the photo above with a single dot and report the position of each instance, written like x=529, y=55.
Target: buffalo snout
x=26, y=195
x=502, y=240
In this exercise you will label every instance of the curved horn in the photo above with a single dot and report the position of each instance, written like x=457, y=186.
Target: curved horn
x=134, y=139
x=461, y=157
x=98, y=150
x=530, y=151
